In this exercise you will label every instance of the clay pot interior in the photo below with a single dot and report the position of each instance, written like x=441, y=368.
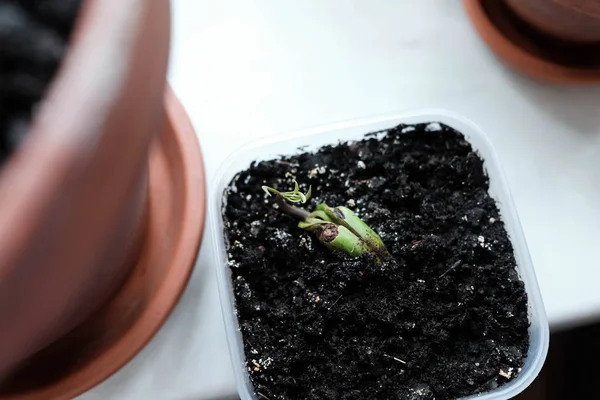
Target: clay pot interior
x=575, y=21
x=531, y=50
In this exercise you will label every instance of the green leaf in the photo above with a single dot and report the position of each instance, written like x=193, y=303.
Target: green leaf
x=270, y=190
x=294, y=196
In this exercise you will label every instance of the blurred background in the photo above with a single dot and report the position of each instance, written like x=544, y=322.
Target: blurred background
x=249, y=69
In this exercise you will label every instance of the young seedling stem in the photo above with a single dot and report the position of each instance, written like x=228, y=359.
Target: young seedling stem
x=339, y=228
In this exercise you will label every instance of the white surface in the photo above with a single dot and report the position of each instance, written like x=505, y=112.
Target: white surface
x=250, y=68
x=312, y=140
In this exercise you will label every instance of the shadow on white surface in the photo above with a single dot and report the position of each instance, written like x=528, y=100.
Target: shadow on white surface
x=575, y=108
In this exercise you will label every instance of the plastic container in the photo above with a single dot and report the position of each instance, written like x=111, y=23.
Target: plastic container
x=312, y=139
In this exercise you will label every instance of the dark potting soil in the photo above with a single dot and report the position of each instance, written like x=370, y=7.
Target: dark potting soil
x=445, y=316
x=33, y=40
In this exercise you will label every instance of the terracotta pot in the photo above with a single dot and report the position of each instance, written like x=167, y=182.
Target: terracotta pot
x=553, y=40
x=110, y=337
x=569, y=20
x=74, y=195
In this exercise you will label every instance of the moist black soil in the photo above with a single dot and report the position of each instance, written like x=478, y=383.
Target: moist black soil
x=33, y=40
x=445, y=316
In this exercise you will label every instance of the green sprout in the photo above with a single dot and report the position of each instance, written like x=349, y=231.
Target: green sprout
x=295, y=196
x=338, y=228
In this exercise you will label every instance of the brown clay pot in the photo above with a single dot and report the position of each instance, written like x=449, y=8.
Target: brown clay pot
x=568, y=20
x=552, y=40
x=104, y=200
x=110, y=337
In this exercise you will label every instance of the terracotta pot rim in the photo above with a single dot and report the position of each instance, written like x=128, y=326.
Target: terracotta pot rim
x=128, y=346
x=522, y=60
